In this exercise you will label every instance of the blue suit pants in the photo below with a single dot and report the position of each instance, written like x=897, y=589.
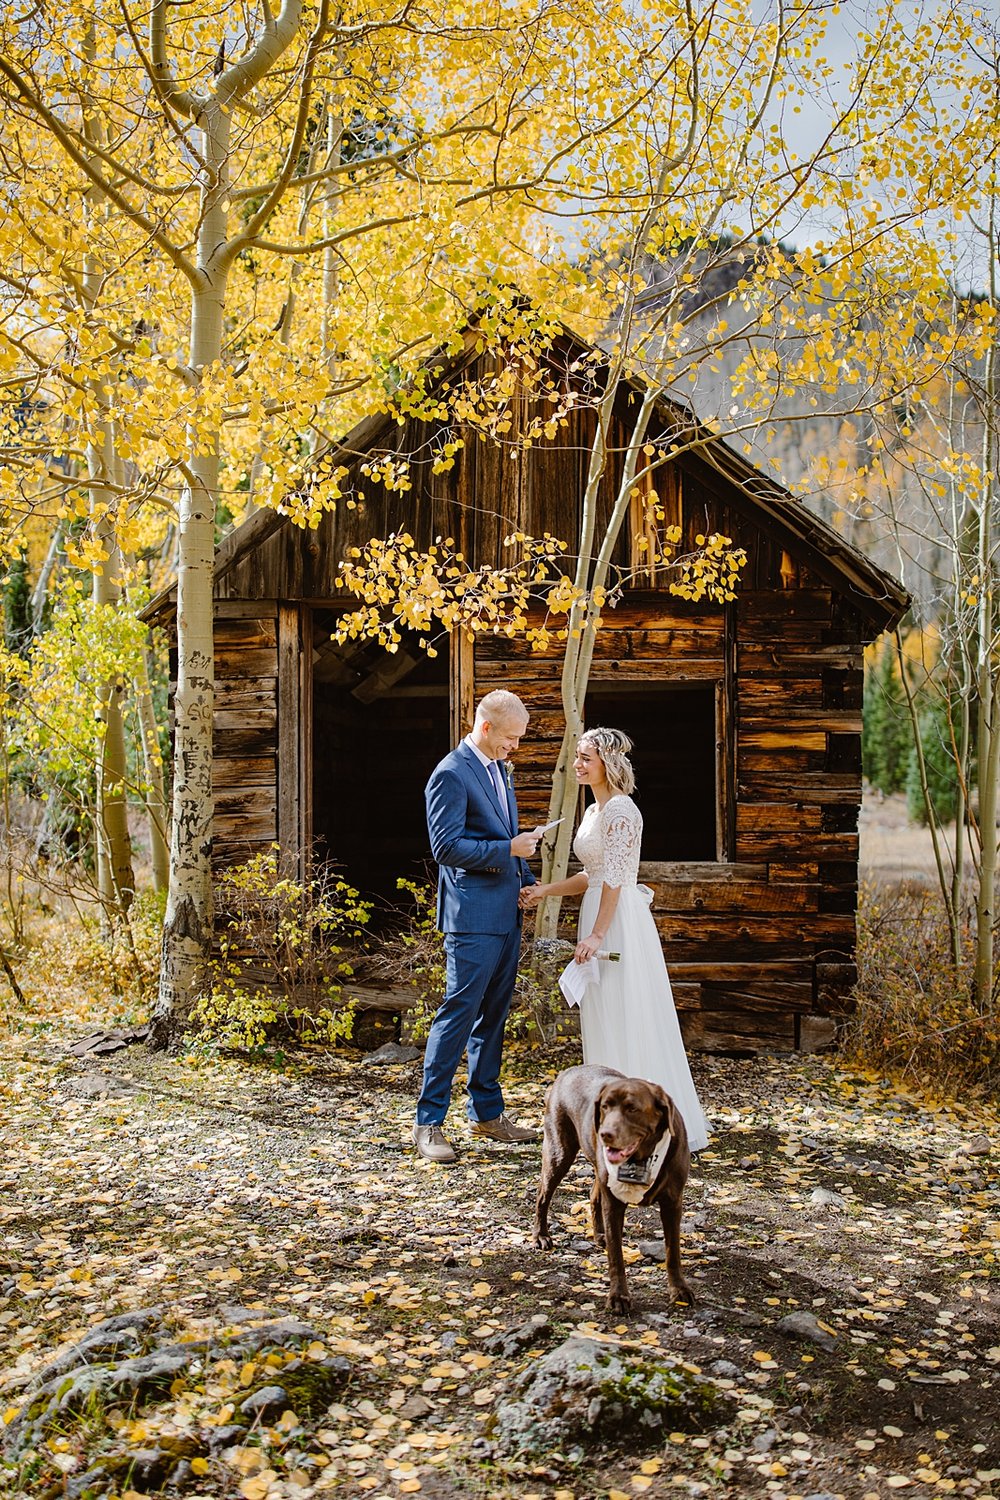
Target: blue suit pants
x=481, y=970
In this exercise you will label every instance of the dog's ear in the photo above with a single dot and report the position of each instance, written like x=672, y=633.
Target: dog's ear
x=599, y=1110
x=663, y=1101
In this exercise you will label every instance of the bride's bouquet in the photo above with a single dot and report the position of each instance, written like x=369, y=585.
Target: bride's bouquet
x=572, y=978
x=556, y=953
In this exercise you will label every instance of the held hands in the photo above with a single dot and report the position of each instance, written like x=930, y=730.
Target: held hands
x=532, y=895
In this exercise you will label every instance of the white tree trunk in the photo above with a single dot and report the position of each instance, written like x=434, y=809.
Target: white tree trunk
x=187, y=933
x=152, y=763
x=580, y=644
x=987, y=729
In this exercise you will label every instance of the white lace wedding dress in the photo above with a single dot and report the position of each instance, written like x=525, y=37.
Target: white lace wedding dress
x=628, y=1018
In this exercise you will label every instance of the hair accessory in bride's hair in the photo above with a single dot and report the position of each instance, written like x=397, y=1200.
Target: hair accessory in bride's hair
x=613, y=746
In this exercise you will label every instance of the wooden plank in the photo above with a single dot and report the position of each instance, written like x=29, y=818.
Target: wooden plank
x=227, y=717
x=770, y=998
x=251, y=828
x=251, y=632
x=246, y=663
x=462, y=666
x=727, y=730
x=616, y=638
x=816, y=846
x=675, y=870
x=793, y=718
x=738, y=1031
x=761, y=697
x=784, y=871
x=775, y=817
x=781, y=658
x=289, y=715
x=810, y=931
x=772, y=634
x=785, y=604
x=751, y=761
x=305, y=831
x=748, y=896
x=232, y=772
x=254, y=802
x=244, y=609
x=746, y=975
x=235, y=693
x=840, y=788
x=686, y=996
x=245, y=740
x=780, y=739
x=541, y=669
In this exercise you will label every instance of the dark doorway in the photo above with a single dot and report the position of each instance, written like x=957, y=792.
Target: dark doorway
x=674, y=731
x=381, y=723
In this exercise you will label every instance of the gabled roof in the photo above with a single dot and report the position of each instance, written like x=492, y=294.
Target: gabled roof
x=875, y=593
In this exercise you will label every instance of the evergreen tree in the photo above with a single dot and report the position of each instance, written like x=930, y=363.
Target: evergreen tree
x=887, y=739
x=936, y=735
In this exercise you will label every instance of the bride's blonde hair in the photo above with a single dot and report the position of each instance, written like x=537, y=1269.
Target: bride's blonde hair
x=613, y=747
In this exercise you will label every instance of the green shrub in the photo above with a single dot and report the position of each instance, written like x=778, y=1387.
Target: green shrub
x=285, y=948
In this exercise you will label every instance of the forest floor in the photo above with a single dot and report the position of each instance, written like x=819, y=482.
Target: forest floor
x=208, y=1197
x=217, y=1230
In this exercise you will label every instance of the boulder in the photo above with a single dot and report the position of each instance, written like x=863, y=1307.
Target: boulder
x=588, y=1387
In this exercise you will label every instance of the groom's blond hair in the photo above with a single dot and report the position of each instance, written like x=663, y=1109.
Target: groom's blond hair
x=500, y=707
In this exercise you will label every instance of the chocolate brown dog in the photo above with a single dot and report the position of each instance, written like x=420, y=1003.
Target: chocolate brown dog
x=632, y=1134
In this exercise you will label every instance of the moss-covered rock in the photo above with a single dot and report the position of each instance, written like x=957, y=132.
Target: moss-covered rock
x=587, y=1388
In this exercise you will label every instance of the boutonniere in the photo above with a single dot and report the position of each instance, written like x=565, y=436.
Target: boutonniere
x=508, y=771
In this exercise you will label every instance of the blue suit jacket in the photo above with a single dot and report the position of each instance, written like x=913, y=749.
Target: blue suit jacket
x=478, y=879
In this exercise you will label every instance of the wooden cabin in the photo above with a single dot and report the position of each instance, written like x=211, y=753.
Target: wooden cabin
x=746, y=717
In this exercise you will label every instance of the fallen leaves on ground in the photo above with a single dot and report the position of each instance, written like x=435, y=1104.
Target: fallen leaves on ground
x=226, y=1196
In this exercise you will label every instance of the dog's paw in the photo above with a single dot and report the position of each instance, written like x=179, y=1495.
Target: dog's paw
x=683, y=1293
x=620, y=1303
x=541, y=1241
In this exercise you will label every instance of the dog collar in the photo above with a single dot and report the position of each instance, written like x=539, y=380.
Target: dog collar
x=634, y=1192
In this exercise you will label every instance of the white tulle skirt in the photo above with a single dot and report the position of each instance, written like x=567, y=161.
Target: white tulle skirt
x=628, y=1020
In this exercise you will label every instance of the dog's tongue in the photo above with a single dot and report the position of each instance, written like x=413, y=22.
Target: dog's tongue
x=615, y=1154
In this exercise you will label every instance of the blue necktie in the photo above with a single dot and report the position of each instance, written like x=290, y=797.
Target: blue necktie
x=501, y=791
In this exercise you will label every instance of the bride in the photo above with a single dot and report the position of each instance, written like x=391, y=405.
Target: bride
x=627, y=1018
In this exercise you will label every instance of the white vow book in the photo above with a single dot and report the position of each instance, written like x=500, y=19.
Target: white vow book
x=574, y=979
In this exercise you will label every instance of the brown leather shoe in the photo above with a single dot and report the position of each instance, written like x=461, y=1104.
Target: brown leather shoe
x=431, y=1142
x=503, y=1129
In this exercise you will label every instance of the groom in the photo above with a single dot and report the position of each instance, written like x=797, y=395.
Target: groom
x=472, y=821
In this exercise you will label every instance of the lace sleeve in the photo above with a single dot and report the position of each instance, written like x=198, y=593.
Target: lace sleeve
x=622, y=842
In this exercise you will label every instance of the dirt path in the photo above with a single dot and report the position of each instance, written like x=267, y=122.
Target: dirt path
x=893, y=848
x=220, y=1195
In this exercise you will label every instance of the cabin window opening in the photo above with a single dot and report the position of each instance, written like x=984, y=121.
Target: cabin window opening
x=381, y=723
x=675, y=735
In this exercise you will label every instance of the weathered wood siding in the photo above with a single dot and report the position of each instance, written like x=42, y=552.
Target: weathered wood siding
x=245, y=732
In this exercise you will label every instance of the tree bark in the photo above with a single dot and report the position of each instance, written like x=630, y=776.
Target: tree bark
x=187, y=932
